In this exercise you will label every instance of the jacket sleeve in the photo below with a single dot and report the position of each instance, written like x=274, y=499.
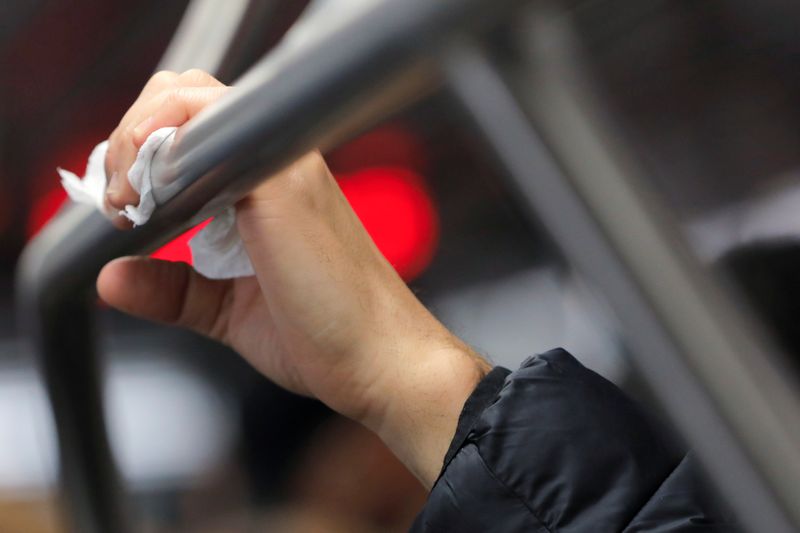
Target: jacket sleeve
x=555, y=447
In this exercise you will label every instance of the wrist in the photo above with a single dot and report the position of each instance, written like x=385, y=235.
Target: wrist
x=421, y=401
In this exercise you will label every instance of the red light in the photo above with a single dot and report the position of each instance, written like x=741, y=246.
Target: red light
x=391, y=201
x=48, y=195
x=44, y=209
x=178, y=248
x=398, y=213
x=47, y=205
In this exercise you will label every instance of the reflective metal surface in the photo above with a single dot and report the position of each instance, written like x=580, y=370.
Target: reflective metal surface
x=724, y=387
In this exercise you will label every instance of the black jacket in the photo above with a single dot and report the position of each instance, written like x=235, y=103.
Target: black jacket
x=555, y=447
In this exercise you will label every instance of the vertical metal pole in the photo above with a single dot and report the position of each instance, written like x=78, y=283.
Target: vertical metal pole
x=719, y=384
x=95, y=494
x=59, y=310
x=58, y=317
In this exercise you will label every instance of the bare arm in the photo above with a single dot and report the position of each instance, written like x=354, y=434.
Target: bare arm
x=325, y=316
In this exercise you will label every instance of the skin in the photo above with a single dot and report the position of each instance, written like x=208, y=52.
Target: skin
x=325, y=315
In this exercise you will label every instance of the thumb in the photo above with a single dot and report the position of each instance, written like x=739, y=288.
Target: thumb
x=168, y=292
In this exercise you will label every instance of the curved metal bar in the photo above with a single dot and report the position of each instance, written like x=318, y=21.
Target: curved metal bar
x=308, y=94
x=57, y=311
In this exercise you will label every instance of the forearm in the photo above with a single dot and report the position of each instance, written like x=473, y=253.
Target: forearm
x=325, y=314
x=422, y=402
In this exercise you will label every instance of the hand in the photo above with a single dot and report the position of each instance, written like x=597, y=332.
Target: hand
x=168, y=99
x=325, y=316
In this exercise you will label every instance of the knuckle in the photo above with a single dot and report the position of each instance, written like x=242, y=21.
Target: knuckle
x=114, y=145
x=308, y=178
x=174, y=96
x=196, y=75
x=127, y=136
x=163, y=77
x=111, y=156
x=313, y=167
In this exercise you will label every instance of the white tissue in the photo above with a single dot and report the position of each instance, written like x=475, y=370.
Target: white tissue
x=141, y=177
x=92, y=189
x=217, y=250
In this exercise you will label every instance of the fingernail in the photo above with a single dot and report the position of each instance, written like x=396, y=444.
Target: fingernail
x=142, y=128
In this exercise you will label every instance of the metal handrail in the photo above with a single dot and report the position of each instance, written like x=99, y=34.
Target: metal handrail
x=298, y=98
x=346, y=77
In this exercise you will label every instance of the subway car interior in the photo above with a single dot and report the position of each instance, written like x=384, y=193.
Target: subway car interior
x=615, y=177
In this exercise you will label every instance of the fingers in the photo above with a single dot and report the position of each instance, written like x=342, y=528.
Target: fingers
x=152, y=110
x=174, y=108
x=121, y=152
x=168, y=292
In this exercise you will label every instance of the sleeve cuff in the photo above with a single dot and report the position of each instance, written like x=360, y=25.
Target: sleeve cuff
x=482, y=397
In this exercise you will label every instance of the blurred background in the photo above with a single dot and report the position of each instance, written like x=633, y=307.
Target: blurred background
x=706, y=92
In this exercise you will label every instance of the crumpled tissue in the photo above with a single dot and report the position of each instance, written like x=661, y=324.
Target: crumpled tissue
x=217, y=249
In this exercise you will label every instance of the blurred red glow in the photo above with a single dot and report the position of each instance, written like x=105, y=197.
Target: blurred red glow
x=397, y=211
x=178, y=248
x=48, y=205
x=390, y=199
x=43, y=209
x=48, y=195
